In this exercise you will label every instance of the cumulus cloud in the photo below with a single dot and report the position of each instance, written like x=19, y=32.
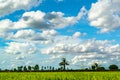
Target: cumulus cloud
x=28, y=35
x=85, y=51
x=77, y=34
x=43, y=37
x=89, y=59
x=41, y=20
x=20, y=48
x=20, y=57
x=88, y=46
x=88, y=51
x=49, y=33
x=50, y=20
x=9, y=6
x=105, y=14
x=7, y=25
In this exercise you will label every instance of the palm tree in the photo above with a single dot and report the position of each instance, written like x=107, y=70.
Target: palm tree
x=42, y=68
x=53, y=68
x=25, y=68
x=50, y=68
x=95, y=66
x=36, y=67
x=64, y=63
x=20, y=68
x=29, y=68
x=14, y=69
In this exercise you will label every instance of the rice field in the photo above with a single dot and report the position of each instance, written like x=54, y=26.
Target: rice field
x=60, y=76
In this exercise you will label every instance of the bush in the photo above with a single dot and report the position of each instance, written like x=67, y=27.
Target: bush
x=100, y=69
x=113, y=67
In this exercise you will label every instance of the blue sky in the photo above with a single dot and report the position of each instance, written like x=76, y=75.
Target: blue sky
x=44, y=31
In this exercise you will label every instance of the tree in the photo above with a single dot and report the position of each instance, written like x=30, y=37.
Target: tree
x=53, y=68
x=25, y=68
x=63, y=63
x=20, y=68
x=36, y=67
x=50, y=68
x=113, y=67
x=14, y=69
x=100, y=69
x=29, y=68
x=95, y=66
x=45, y=68
x=42, y=68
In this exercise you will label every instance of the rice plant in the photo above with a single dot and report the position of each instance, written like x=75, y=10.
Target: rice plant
x=60, y=76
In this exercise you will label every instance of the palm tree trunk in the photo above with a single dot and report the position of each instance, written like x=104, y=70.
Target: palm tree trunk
x=64, y=67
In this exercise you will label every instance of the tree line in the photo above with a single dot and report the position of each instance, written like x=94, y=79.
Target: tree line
x=62, y=64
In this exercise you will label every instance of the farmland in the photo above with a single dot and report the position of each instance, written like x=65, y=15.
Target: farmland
x=60, y=76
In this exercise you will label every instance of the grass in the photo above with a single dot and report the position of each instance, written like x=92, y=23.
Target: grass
x=60, y=76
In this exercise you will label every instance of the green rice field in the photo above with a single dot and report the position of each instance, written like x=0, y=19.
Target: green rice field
x=60, y=76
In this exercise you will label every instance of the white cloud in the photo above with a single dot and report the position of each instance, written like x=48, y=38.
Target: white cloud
x=79, y=51
x=49, y=33
x=102, y=59
x=44, y=37
x=29, y=35
x=9, y=6
x=24, y=34
x=50, y=20
x=77, y=34
x=20, y=48
x=20, y=57
x=84, y=51
x=105, y=14
x=87, y=46
x=6, y=25
x=41, y=20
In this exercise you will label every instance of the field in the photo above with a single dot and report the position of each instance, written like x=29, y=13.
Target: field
x=60, y=76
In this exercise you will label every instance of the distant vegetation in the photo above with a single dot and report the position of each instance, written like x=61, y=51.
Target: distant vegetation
x=62, y=64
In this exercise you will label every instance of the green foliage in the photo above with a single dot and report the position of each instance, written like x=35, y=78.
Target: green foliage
x=96, y=67
x=93, y=67
x=64, y=63
x=36, y=67
x=29, y=68
x=20, y=68
x=60, y=76
x=25, y=68
x=113, y=67
x=100, y=69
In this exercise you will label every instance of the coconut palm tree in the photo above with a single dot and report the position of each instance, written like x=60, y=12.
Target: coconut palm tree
x=25, y=68
x=29, y=68
x=36, y=67
x=20, y=68
x=64, y=63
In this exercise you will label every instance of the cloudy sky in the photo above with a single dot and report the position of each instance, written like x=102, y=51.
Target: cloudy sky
x=44, y=31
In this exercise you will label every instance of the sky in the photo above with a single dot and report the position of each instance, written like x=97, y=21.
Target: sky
x=45, y=31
